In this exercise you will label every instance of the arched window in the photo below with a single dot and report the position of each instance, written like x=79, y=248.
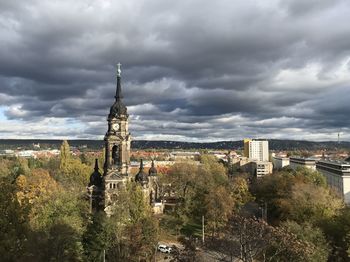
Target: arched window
x=115, y=155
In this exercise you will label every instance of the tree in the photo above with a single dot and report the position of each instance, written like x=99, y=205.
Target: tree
x=308, y=176
x=13, y=223
x=73, y=173
x=272, y=190
x=313, y=235
x=309, y=202
x=95, y=239
x=219, y=205
x=5, y=167
x=337, y=231
x=65, y=156
x=189, y=253
x=182, y=178
x=57, y=223
x=249, y=240
x=39, y=184
x=132, y=231
x=240, y=192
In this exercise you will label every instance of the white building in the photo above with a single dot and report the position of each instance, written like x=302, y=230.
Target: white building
x=337, y=174
x=295, y=162
x=261, y=169
x=280, y=162
x=257, y=150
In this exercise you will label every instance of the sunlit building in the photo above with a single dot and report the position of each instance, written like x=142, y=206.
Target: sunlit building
x=257, y=150
x=337, y=174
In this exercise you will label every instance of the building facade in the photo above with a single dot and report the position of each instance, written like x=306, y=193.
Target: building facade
x=104, y=189
x=260, y=168
x=257, y=150
x=280, y=162
x=295, y=162
x=337, y=174
x=117, y=148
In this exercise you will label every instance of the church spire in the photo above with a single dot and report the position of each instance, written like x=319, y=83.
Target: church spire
x=141, y=165
x=118, y=108
x=118, y=93
x=96, y=165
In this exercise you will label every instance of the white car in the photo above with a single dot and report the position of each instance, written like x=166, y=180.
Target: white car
x=164, y=249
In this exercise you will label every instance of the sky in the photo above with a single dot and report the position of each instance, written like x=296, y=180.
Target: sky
x=192, y=70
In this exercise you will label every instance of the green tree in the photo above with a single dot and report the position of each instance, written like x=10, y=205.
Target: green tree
x=309, y=202
x=57, y=222
x=308, y=176
x=272, y=190
x=13, y=223
x=314, y=236
x=132, y=231
x=73, y=173
x=219, y=205
x=95, y=239
x=337, y=231
x=65, y=156
x=5, y=167
x=249, y=240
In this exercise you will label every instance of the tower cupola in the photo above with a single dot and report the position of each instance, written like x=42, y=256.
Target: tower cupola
x=96, y=178
x=142, y=176
x=152, y=171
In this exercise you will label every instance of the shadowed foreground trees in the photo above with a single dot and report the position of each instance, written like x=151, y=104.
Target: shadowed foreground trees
x=301, y=202
x=130, y=234
x=251, y=240
x=13, y=222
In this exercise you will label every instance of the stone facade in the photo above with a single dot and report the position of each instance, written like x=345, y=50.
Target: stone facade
x=104, y=193
x=117, y=149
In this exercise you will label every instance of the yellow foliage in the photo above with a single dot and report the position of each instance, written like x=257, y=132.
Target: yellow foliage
x=37, y=185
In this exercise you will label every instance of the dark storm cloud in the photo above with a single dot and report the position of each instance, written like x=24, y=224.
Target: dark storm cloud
x=191, y=69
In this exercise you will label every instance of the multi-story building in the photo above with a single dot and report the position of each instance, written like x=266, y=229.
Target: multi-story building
x=261, y=169
x=295, y=162
x=337, y=174
x=280, y=162
x=257, y=150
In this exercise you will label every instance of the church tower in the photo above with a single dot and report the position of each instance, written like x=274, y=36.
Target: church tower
x=117, y=147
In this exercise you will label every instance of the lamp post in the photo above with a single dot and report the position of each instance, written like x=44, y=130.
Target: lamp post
x=203, y=230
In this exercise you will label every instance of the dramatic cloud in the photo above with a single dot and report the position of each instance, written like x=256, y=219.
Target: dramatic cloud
x=192, y=70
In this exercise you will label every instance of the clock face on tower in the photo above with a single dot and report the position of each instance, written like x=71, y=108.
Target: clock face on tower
x=115, y=126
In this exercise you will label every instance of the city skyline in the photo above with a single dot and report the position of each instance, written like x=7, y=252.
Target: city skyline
x=191, y=71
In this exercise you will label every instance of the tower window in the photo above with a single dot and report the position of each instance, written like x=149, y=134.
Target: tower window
x=115, y=154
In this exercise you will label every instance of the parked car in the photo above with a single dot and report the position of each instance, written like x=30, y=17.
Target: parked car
x=164, y=249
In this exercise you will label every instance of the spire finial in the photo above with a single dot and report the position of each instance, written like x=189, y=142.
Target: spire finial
x=118, y=92
x=119, y=71
x=141, y=165
x=96, y=164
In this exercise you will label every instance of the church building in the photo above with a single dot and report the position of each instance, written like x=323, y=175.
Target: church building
x=103, y=189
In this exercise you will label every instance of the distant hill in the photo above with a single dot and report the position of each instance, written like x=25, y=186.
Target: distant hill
x=144, y=144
